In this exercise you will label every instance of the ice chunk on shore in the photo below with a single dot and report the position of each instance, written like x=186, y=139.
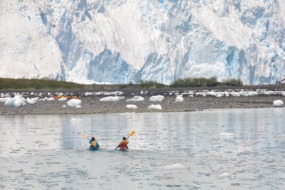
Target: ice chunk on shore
x=131, y=106
x=16, y=101
x=111, y=99
x=154, y=107
x=136, y=99
x=235, y=94
x=32, y=100
x=75, y=103
x=179, y=98
x=157, y=98
x=3, y=99
x=278, y=103
x=62, y=99
x=252, y=93
x=48, y=99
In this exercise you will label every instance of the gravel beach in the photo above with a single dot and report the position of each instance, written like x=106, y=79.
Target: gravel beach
x=91, y=104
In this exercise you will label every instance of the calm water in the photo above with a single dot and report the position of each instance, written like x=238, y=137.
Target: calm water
x=221, y=149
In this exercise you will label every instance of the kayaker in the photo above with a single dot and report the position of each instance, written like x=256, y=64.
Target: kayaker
x=123, y=144
x=93, y=143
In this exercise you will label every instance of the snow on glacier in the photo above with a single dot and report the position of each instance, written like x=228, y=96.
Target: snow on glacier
x=120, y=41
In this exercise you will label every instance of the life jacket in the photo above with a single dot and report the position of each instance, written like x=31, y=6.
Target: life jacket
x=93, y=143
x=124, y=145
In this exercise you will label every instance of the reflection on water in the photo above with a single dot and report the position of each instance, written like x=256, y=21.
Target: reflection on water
x=220, y=149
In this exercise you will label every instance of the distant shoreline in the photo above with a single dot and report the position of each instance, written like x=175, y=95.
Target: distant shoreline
x=91, y=104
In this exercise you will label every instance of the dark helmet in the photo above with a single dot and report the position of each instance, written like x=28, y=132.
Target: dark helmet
x=92, y=139
x=124, y=138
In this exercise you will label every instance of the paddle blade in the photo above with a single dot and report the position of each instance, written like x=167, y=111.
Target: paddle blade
x=83, y=135
x=132, y=133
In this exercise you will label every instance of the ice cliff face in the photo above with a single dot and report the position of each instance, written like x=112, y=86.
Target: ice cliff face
x=121, y=41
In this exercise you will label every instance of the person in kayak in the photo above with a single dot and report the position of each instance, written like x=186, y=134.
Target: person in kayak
x=93, y=143
x=123, y=144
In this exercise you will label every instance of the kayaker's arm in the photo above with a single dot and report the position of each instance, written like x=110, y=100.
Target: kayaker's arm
x=118, y=146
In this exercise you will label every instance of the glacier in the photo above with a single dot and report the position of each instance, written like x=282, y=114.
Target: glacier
x=123, y=41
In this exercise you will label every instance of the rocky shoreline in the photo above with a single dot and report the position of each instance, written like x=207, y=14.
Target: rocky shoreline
x=91, y=104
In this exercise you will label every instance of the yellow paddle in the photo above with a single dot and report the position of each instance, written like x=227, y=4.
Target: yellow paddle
x=131, y=134
x=85, y=136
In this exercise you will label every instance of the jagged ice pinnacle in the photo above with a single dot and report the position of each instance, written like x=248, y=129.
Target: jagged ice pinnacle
x=122, y=41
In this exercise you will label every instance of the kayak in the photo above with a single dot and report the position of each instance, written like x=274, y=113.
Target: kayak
x=93, y=148
x=123, y=149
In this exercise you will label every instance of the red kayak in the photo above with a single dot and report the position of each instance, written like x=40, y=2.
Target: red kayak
x=123, y=149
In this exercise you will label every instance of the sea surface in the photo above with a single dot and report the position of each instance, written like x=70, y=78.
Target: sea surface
x=213, y=149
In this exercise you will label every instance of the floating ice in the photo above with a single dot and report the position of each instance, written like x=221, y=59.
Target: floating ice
x=157, y=98
x=226, y=135
x=174, y=166
x=76, y=103
x=224, y=175
x=136, y=99
x=154, y=107
x=131, y=106
x=278, y=103
x=111, y=99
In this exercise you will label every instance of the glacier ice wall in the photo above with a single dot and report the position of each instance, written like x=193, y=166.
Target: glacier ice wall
x=121, y=41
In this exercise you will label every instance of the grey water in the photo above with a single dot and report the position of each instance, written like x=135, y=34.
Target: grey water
x=213, y=149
